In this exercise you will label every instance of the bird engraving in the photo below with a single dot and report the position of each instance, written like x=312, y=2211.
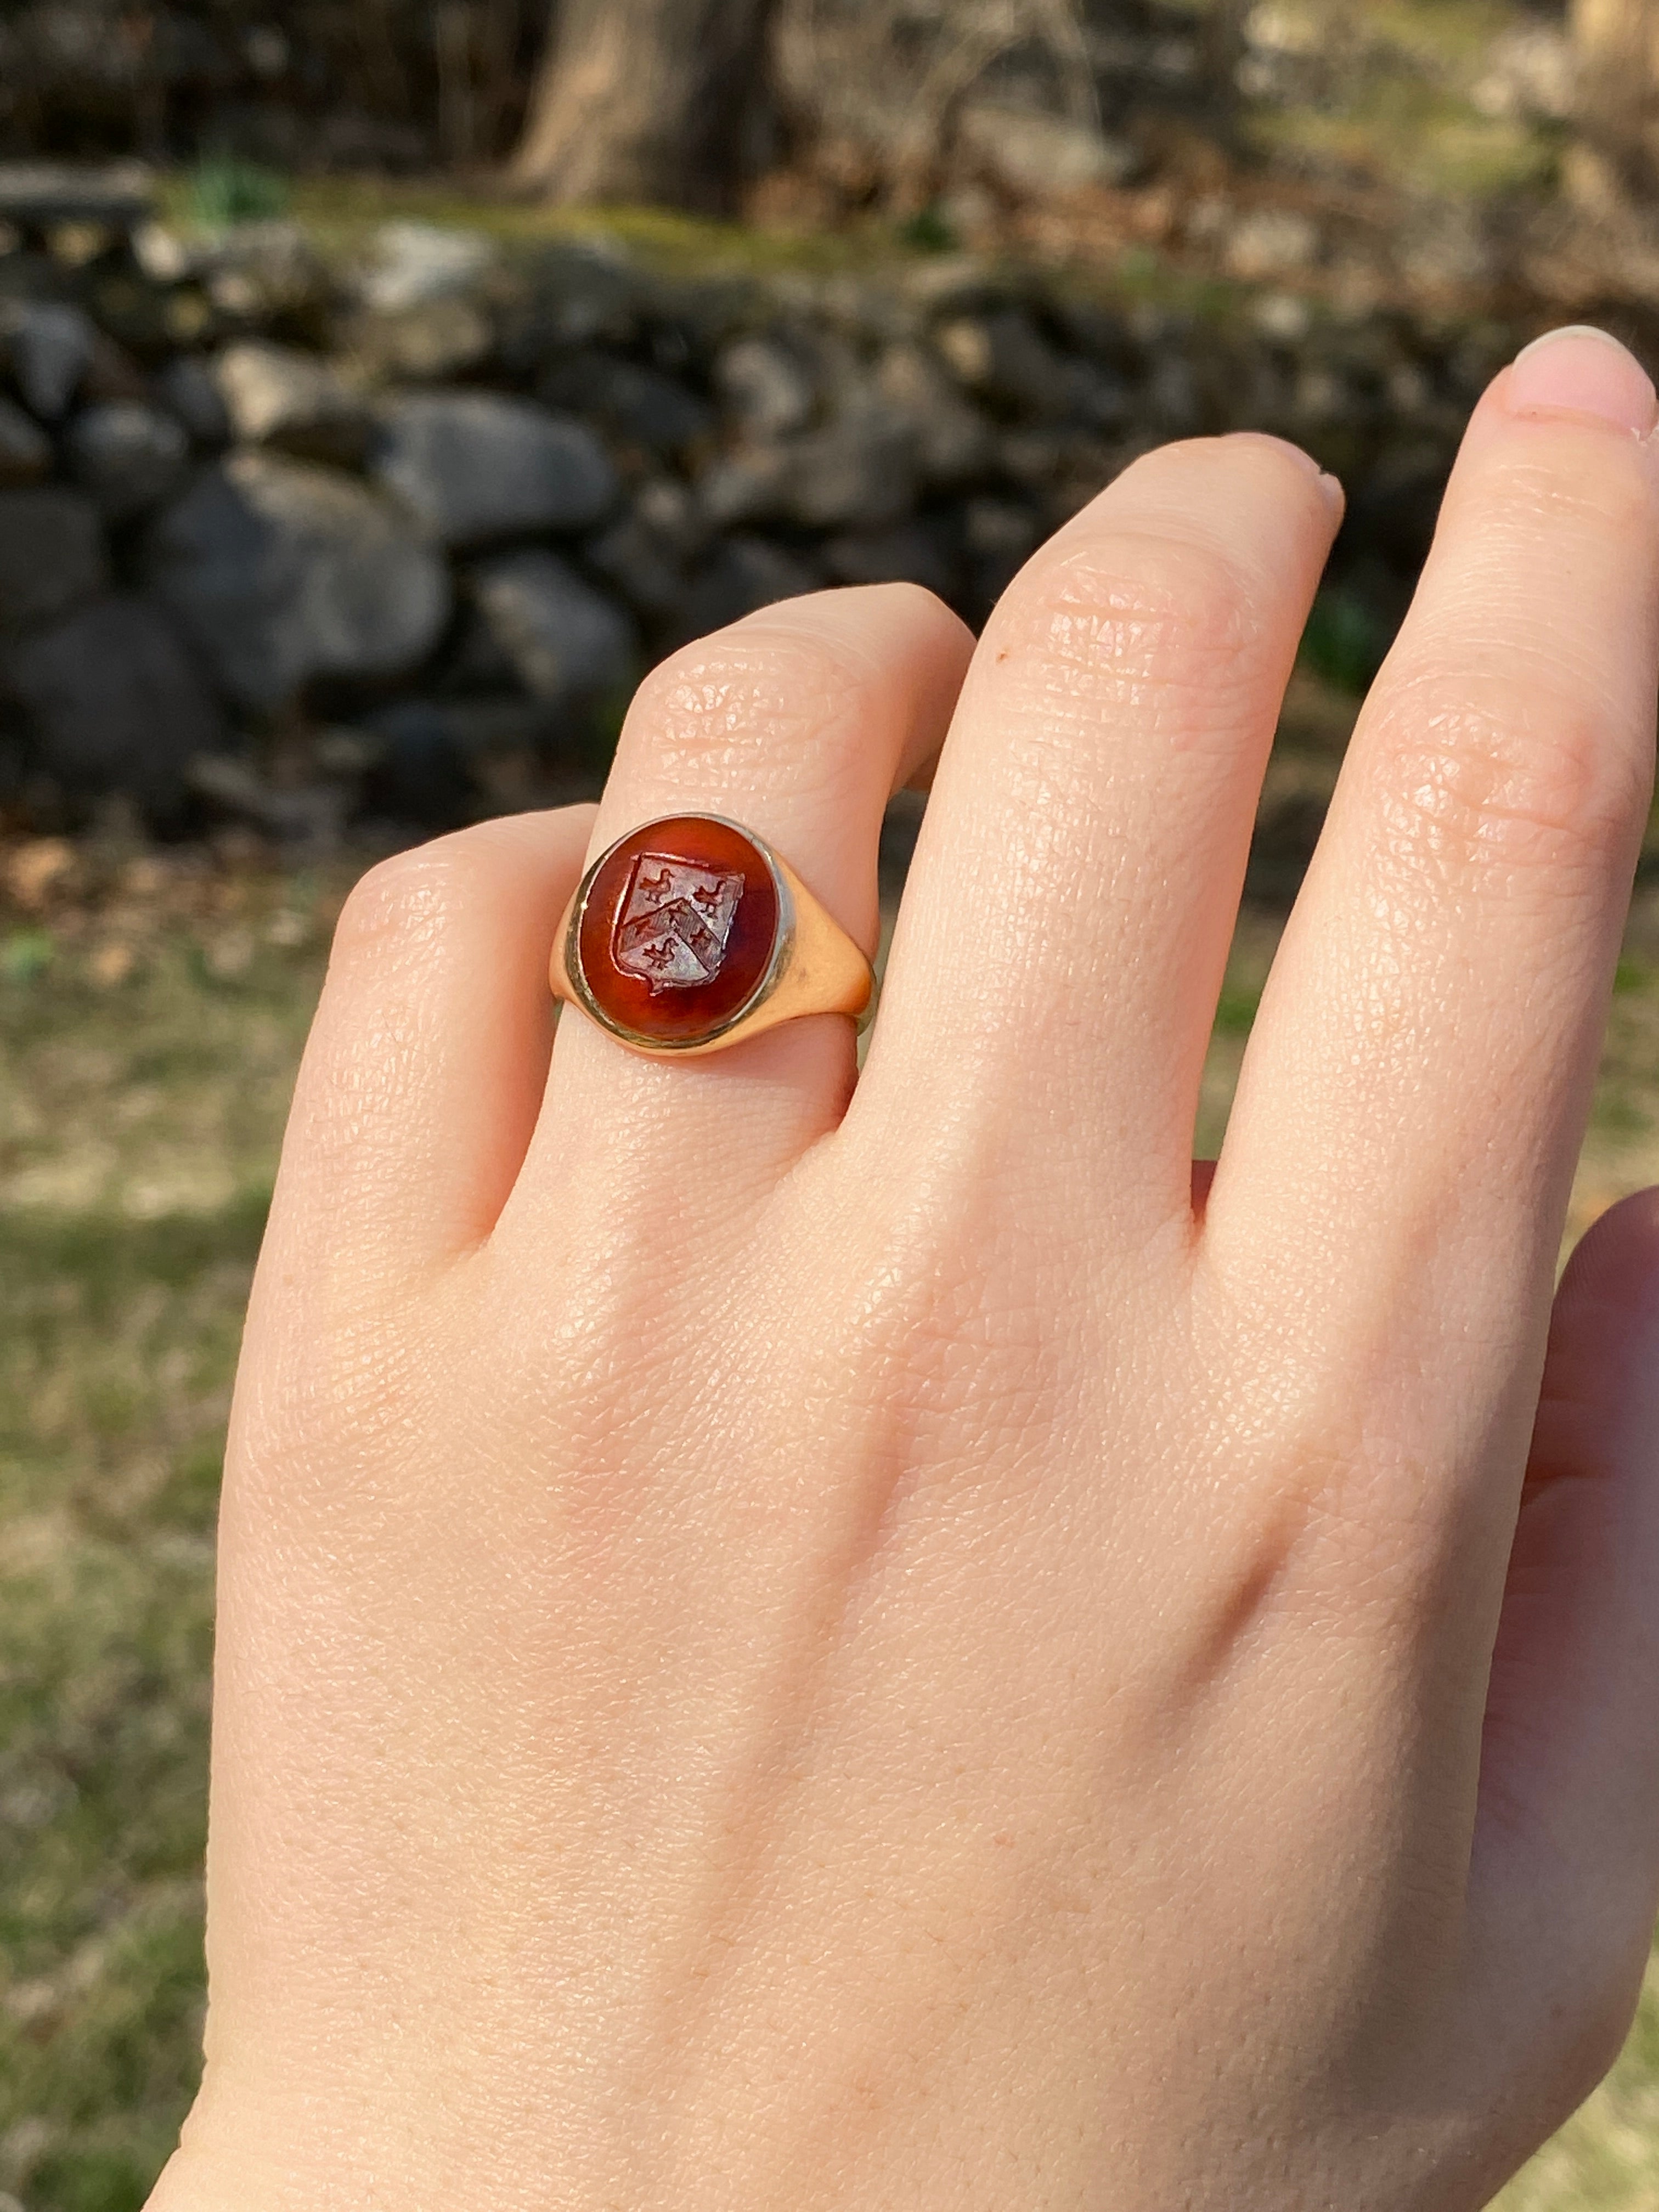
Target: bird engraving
x=675, y=922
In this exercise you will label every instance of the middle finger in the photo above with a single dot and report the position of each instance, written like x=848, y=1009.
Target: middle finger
x=1061, y=945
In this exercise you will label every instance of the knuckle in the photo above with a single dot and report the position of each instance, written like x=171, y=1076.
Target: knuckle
x=730, y=702
x=1128, y=613
x=1522, y=776
x=405, y=899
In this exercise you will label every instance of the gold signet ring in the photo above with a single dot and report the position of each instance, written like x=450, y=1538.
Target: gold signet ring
x=689, y=933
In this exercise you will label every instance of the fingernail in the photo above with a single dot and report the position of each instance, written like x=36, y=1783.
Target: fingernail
x=1583, y=371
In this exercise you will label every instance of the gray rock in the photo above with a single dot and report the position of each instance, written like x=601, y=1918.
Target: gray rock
x=426, y=343
x=311, y=817
x=637, y=405
x=584, y=294
x=128, y=456
x=908, y=553
x=39, y=195
x=765, y=388
x=420, y=772
x=566, y=642
x=645, y=551
x=999, y=537
x=858, y=471
x=1172, y=397
x=280, y=571
x=25, y=448
x=189, y=391
x=278, y=396
x=51, y=556
x=1096, y=397
x=256, y=269
x=474, y=466
x=413, y=264
x=112, y=702
x=952, y=440
x=1003, y=357
x=735, y=578
x=51, y=346
x=165, y=255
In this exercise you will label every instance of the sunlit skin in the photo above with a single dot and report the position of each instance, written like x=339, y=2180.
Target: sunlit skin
x=820, y=1648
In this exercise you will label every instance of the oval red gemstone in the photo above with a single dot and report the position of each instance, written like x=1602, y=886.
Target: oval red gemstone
x=678, y=930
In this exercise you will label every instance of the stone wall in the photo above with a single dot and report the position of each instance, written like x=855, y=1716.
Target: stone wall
x=317, y=543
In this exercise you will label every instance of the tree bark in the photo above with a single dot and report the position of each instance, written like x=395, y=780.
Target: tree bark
x=1616, y=42
x=655, y=101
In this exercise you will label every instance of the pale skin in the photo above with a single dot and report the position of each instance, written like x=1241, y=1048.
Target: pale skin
x=821, y=1646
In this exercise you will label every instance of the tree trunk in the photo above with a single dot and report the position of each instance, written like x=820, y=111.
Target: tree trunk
x=1616, y=42
x=658, y=102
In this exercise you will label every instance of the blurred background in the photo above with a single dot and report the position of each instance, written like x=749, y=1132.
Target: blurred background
x=384, y=385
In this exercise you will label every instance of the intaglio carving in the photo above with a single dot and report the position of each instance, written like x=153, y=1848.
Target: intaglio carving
x=672, y=930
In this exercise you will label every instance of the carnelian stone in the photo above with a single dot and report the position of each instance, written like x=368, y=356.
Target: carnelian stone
x=679, y=928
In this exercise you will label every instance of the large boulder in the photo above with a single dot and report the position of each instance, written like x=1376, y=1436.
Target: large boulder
x=471, y=466
x=51, y=556
x=567, y=642
x=129, y=456
x=111, y=702
x=278, y=396
x=280, y=572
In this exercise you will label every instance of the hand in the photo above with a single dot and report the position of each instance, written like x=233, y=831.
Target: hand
x=798, y=1648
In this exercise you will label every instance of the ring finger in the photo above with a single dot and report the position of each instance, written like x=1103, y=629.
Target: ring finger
x=799, y=722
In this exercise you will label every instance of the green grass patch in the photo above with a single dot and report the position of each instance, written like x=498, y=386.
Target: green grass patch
x=1345, y=641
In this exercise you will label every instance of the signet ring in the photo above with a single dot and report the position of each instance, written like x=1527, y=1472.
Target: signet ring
x=691, y=933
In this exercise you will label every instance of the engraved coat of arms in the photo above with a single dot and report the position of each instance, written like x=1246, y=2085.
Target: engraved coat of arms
x=673, y=929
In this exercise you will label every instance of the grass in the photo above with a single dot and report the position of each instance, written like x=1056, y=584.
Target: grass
x=341, y=214
x=146, y=1051
x=150, y=1019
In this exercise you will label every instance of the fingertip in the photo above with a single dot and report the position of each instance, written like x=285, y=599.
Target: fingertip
x=1329, y=488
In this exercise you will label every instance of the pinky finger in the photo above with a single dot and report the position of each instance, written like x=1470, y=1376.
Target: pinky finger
x=426, y=1063
x=1565, y=1878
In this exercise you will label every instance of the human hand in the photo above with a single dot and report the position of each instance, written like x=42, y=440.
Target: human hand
x=791, y=1646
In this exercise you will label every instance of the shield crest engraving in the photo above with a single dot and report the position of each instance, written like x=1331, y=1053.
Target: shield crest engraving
x=673, y=929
